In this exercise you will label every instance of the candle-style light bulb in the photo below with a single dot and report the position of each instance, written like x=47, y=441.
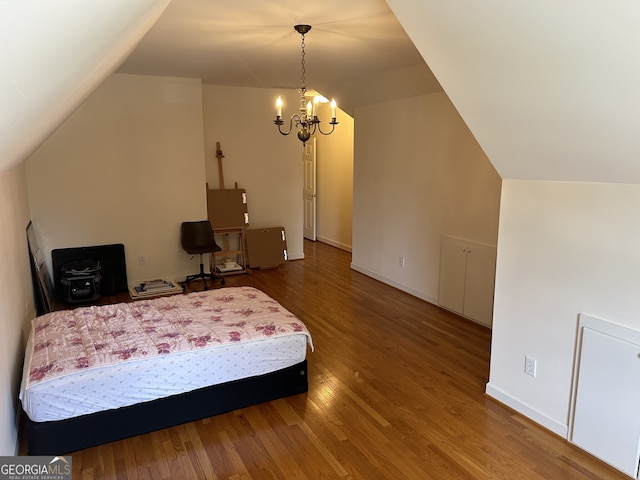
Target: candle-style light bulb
x=309, y=109
x=316, y=100
x=279, y=107
x=333, y=108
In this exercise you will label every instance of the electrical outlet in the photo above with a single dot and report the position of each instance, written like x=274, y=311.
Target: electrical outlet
x=530, y=366
x=142, y=260
x=401, y=261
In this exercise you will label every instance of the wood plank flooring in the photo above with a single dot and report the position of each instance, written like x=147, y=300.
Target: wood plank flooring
x=396, y=391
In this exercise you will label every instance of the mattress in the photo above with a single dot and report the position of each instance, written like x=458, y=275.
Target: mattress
x=93, y=359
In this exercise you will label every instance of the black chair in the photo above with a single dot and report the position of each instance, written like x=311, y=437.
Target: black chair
x=197, y=239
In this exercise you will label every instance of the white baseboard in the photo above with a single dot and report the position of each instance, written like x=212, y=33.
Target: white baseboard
x=528, y=411
x=295, y=255
x=393, y=283
x=333, y=243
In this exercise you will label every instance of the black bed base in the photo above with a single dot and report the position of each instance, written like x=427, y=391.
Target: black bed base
x=66, y=436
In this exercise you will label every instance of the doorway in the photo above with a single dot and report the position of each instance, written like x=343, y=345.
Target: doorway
x=309, y=193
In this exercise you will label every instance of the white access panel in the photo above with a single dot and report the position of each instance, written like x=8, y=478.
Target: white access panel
x=606, y=413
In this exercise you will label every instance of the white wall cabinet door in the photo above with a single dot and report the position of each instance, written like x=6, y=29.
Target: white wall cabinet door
x=606, y=416
x=467, y=278
x=453, y=267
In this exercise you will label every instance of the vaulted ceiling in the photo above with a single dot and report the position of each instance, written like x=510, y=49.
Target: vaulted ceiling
x=351, y=49
x=54, y=53
x=548, y=88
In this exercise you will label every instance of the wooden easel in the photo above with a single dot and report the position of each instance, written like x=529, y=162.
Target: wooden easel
x=220, y=156
x=226, y=232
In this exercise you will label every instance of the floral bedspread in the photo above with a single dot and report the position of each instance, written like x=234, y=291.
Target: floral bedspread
x=89, y=337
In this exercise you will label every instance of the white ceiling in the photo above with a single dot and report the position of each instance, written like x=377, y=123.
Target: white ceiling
x=549, y=89
x=252, y=43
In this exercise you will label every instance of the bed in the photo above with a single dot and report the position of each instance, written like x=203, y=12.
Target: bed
x=102, y=373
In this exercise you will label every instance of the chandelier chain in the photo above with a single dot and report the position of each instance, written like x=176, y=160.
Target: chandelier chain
x=302, y=61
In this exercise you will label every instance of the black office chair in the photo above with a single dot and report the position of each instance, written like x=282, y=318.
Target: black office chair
x=197, y=239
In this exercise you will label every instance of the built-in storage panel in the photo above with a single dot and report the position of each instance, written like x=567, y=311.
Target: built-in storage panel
x=606, y=411
x=467, y=278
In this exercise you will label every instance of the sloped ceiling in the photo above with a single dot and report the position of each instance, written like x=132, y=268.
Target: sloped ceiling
x=551, y=90
x=53, y=54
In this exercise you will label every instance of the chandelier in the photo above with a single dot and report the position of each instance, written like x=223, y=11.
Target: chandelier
x=306, y=122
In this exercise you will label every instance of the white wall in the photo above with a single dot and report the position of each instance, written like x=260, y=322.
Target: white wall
x=16, y=299
x=334, y=175
x=139, y=153
x=565, y=248
x=418, y=174
x=265, y=163
x=127, y=167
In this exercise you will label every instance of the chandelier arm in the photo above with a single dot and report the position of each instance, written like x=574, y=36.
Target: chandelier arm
x=279, y=122
x=333, y=124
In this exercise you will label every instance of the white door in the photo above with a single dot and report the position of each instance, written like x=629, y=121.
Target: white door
x=309, y=192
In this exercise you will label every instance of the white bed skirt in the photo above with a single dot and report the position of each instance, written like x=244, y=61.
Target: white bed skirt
x=128, y=383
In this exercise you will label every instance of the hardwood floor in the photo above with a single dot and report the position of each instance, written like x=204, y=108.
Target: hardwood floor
x=396, y=391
